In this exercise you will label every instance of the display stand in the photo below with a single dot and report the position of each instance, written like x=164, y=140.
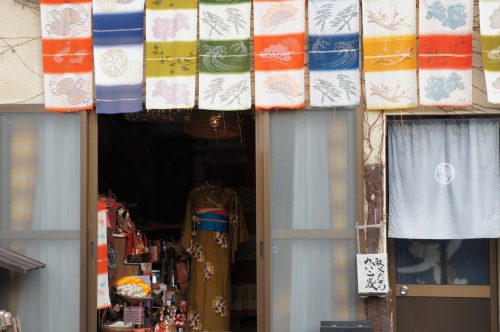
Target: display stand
x=131, y=302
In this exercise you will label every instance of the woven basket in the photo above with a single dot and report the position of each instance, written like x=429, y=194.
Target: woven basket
x=106, y=328
x=133, y=300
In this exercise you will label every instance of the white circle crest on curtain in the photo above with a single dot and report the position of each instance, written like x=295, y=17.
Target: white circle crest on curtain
x=444, y=173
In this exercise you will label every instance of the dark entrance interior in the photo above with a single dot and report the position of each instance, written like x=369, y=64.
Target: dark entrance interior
x=151, y=160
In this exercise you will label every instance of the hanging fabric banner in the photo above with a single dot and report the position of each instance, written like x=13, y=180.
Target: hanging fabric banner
x=225, y=55
x=389, y=43
x=67, y=54
x=171, y=28
x=444, y=179
x=334, y=53
x=279, y=54
x=445, y=53
x=489, y=11
x=103, y=300
x=118, y=55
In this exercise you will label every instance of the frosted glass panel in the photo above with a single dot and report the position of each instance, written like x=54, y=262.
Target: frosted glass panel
x=40, y=197
x=40, y=171
x=47, y=299
x=312, y=190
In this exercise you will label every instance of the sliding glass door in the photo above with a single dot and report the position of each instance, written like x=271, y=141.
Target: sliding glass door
x=312, y=216
x=40, y=217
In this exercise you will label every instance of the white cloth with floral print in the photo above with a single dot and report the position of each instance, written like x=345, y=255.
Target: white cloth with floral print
x=445, y=65
x=118, y=55
x=67, y=53
x=171, y=29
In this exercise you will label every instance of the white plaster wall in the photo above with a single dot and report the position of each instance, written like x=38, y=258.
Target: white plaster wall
x=21, y=74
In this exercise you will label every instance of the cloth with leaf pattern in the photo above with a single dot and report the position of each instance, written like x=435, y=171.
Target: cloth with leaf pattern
x=225, y=55
x=279, y=54
x=334, y=53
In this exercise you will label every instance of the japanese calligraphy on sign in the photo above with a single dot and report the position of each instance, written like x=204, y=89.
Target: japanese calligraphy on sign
x=372, y=274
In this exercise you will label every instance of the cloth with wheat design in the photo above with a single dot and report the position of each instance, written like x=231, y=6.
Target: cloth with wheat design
x=118, y=55
x=171, y=28
x=445, y=52
x=225, y=55
x=489, y=13
x=389, y=43
x=67, y=54
x=334, y=53
x=279, y=54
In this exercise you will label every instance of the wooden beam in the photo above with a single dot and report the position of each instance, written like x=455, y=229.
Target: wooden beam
x=379, y=309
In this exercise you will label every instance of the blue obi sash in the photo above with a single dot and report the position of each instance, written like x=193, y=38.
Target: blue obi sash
x=215, y=220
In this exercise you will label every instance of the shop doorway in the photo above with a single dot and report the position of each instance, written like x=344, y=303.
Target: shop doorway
x=150, y=162
x=444, y=285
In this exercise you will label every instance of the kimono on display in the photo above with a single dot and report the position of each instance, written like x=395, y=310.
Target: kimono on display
x=214, y=226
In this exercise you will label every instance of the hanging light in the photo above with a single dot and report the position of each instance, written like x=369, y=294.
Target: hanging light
x=213, y=125
x=215, y=121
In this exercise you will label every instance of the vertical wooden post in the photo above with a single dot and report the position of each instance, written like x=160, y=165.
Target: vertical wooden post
x=378, y=308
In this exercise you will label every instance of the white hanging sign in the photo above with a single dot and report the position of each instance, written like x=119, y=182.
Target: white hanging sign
x=373, y=278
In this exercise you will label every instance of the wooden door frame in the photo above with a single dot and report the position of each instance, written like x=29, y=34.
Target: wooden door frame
x=91, y=174
x=263, y=216
x=451, y=290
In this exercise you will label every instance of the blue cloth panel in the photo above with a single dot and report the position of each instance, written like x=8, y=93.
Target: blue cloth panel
x=339, y=52
x=119, y=99
x=119, y=106
x=118, y=91
x=113, y=38
x=119, y=21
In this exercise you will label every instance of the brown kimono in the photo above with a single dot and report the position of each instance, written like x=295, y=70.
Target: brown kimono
x=213, y=228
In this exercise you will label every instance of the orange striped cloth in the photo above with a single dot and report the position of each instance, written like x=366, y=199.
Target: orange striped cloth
x=67, y=54
x=103, y=300
x=445, y=52
x=279, y=54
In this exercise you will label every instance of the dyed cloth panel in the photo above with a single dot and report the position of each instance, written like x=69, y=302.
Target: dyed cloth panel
x=489, y=11
x=279, y=54
x=444, y=178
x=445, y=53
x=225, y=55
x=334, y=53
x=118, y=55
x=67, y=54
x=171, y=28
x=103, y=300
x=389, y=42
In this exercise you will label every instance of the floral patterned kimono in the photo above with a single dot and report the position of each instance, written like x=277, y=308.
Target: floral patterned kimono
x=213, y=228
